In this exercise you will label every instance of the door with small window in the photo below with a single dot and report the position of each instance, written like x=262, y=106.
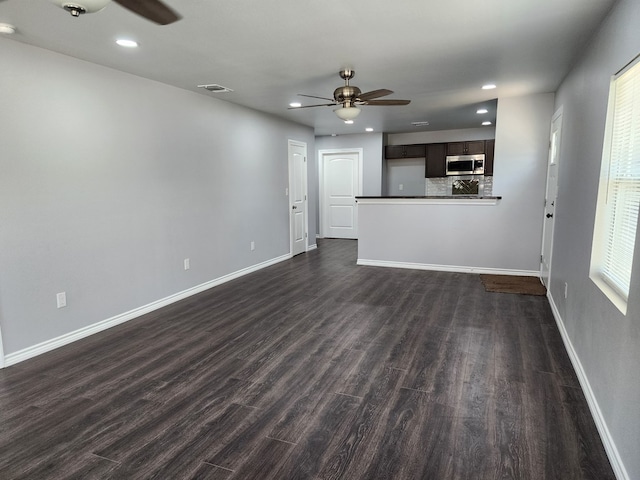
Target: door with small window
x=551, y=199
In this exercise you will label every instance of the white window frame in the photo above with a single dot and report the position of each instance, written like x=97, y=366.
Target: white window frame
x=619, y=190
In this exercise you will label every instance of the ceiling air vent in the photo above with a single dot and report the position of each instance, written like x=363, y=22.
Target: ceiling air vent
x=215, y=88
x=420, y=124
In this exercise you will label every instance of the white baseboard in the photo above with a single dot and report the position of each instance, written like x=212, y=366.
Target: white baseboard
x=312, y=247
x=609, y=445
x=448, y=268
x=84, y=332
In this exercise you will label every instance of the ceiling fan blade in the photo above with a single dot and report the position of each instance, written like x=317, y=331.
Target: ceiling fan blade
x=313, y=96
x=383, y=92
x=387, y=102
x=309, y=106
x=153, y=10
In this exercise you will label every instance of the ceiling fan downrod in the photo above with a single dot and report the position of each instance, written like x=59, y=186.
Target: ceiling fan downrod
x=347, y=75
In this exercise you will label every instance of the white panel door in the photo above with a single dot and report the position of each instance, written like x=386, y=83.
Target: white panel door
x=341, y=175
x=298, y=197
x=550, y=199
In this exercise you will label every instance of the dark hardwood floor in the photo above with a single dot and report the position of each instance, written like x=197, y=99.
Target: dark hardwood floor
x=314, y=368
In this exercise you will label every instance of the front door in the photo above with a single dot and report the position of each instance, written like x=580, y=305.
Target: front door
x=342, y=183
x=298, y=196
x=551, y=198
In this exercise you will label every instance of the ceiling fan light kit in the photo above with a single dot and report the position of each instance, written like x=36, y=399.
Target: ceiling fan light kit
x=347, y=113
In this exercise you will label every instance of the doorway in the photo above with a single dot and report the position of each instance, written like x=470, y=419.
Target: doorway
x=551, y=198
x=298, y=226
x=341, y=183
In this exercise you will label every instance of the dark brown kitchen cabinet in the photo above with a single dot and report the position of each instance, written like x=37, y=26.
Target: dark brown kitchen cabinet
x=404, y=151
x=436, y=160
x=488, y=156
x=465, y=148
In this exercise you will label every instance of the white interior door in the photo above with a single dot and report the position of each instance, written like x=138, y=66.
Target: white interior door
x=298, y=197
x=551, y=198
x=342, y=183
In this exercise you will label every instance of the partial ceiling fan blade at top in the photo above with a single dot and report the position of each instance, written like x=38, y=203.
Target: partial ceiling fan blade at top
x=309, y=106
x=313, y=96
x=383, y=92
x=387, y=102
x=153, y=10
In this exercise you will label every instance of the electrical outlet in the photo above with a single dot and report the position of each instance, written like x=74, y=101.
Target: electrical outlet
x=187, y=264
x=253, y=246
x=566, y=289
x=61, y=299
x=401, y=187
x=286, y=192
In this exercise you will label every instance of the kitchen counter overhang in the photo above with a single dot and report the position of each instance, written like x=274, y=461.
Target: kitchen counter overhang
x=431, y=200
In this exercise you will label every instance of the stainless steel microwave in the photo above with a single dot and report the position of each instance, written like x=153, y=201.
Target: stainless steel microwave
x=465, y=164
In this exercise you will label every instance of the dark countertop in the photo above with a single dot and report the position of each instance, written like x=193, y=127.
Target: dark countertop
x=439, y=197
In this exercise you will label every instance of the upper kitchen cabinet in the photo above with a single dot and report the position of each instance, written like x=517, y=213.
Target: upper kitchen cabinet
x=404, y=151
x=435, y=164
x=488, y=156
x=466, y=148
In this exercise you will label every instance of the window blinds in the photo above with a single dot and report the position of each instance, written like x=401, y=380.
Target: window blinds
x=623, y=189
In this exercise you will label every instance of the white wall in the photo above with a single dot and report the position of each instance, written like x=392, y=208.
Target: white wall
x=520, y=172
x=108, y=181
x=508, y=235
x=408, y=172
x=607, y=343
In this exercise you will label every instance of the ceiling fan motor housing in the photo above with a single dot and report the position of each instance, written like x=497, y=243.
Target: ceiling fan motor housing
x=346, y=95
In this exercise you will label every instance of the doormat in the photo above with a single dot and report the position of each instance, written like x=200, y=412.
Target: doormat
x=513, y=284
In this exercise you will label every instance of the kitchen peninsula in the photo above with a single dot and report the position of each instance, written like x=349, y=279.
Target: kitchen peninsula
x=459, y=233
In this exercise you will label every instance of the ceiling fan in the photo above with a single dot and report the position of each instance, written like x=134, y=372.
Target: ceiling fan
x=153, y=10
x=350, y=97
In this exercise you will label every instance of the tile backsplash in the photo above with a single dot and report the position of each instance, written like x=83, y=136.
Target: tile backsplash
x=443, y=186
x=438, y=186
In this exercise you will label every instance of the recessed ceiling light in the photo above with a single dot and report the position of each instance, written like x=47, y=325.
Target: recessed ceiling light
x=349, y=122
x=482, y=110
x=488, y=86
x=123, y=42
x=295, y=104
x=486, y=123
x=368, y=129
x=7, y=29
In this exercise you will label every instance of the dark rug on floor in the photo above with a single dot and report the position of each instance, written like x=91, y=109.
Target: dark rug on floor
x=513, y=284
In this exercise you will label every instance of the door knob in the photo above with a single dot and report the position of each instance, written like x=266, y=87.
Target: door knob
x=549, y=215
x=294, y=207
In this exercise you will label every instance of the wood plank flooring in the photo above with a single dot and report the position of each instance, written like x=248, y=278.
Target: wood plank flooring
x=314, y=368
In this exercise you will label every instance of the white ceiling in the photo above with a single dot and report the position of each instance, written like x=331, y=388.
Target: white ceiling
x=435, y=53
